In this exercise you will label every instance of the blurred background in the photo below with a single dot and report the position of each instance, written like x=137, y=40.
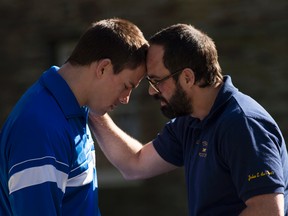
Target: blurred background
x=252, y=41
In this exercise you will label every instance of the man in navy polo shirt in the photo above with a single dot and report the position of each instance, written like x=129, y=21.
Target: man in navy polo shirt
x=47, y=155
x=233, y=152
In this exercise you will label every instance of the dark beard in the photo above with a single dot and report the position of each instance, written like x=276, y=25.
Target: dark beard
x=178, y=105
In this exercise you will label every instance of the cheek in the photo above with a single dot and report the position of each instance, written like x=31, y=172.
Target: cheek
x=114, y=93
x=167, y=93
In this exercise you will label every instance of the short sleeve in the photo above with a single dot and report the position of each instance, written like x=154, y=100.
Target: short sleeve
x=168, y=143
x=252, y=149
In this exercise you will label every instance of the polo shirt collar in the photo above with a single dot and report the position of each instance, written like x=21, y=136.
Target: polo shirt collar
x=61, y=92
x=225, y=93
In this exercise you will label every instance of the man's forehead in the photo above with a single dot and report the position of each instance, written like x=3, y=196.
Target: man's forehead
x=155, y=51
x=154, y=58
x=138, y=75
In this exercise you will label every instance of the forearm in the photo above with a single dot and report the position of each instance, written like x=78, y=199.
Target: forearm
x=262, y=205
x=120, y=148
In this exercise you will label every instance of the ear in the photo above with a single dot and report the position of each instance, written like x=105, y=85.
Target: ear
x=102, y=66
x=188, y=77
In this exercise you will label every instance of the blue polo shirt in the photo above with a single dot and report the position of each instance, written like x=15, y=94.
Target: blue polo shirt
x=233, y=154
x=47, y=156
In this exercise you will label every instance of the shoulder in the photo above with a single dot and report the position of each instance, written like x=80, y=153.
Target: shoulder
x=242, y=109
x=35, y=117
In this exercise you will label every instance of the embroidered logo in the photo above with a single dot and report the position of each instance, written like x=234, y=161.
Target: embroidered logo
x=203, y=148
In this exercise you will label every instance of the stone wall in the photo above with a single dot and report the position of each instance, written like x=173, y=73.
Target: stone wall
x=251, y=37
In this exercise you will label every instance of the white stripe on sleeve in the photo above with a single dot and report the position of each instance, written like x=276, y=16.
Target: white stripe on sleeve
x=37, y=175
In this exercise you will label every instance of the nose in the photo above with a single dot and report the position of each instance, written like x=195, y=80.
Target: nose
x=152, y=91
x=124, y=100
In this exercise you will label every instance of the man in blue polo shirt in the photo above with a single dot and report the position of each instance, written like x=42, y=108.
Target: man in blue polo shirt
x=47, y=155
x=233, y=152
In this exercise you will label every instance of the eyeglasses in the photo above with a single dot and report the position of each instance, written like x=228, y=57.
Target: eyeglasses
x=155, y=84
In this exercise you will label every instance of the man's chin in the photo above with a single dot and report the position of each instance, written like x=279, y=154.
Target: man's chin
x=97, y=112
x=167, y=113
x=163, y=103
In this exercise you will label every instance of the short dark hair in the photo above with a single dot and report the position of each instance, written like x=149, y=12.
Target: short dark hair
x=185, y=46
x=117, y=39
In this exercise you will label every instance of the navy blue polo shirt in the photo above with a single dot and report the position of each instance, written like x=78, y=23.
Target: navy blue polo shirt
x=233, y=154
x=47, y=155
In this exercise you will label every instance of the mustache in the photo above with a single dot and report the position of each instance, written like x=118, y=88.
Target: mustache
x=167, y=110
x=159, y=97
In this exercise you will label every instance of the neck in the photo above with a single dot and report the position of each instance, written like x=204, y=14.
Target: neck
x=73, y=77
x=204, y=100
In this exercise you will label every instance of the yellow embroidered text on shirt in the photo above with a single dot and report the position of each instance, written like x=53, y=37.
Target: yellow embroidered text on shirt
x=260, y=174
